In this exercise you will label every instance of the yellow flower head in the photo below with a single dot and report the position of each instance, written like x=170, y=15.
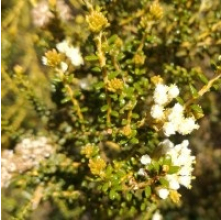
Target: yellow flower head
x=97, y=166
x=115, y=85
x=52, y=58
x=96, y=21
x=156, y=11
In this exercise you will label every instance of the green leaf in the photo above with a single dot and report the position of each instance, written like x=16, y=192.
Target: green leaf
x=128, y=91
x=104, y=108
x=99, y=85
x=143, y=206
x=135, y=115
x=115, y=114
x=112, y=39
x=173, y=169
x=134, y=141
x=113, y=75
x=197, y=108
x=109, y=170
x=164, y=182
x=65, y=100
x=105, y=187
x=96, y=69
x=113, y=195
x=91, y=58
x=147, y=191
x=129, y=196
x=193, y=91
x=180, y=100
x=203, y=78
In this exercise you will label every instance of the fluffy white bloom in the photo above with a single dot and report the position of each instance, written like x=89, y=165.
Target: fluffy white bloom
x=64, y=66
x=173, y=118
x=44, y=60
x=141, y=172
x=160, y=94
x=145, y=159
x=187, y=126
x=41, y=14
x=173, y=91
x=163, y=193
x=73, y=53
x=28, y=154
x=157, y=216
x=157, y=112
x=176, y=113
x=169, y=128
x=185, y=181
x=167, y=144
x=63, y=10
x=181, y=156
x=173, y=181
x=62, y=46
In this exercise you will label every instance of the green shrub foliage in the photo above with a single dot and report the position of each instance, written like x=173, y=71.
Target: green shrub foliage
x=102, y=101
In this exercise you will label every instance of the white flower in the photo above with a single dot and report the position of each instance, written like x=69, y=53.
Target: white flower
x=73, y=53
x=160, y=94
x=181, y=156
x=157, y=216
x=173, y=181
x=145, y=159
x=187, y=126
x=157, y=112
x=173, y=91
x=141, y=172
x=44, y=60
x=169, y=128
x=63, y=10
x=62, y=46
x=64, y=66
x=176, y=113
x=185, y=181
x=41, y=14
x=167, y=144
x=163, y=193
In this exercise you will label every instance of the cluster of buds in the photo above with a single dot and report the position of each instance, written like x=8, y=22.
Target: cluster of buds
x=42, y=14
x=156, y=11
x=27, y=154
x=172, y=119
x=53, y=58
x=175, y=166
x=115, y=85
x=96, y=21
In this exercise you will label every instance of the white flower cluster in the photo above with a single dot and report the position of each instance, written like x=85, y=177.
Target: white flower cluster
x=180, y=157
x=73, y=53
x=157, y=216
x=28, y=154
x=173, y=118
x=42, y=15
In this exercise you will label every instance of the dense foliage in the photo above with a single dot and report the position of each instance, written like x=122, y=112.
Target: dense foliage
x=105, y=104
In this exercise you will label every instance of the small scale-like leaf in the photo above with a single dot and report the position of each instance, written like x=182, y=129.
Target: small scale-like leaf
x=96, y=69
x=173, y=169
x=203, y=78
x=91, y=58
x=115, y=114
x=147, y=191
x=112, y=39
x=104, y=108
x=99, y=85
x=113, y=75
x=193, y=91
x=164, y=182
